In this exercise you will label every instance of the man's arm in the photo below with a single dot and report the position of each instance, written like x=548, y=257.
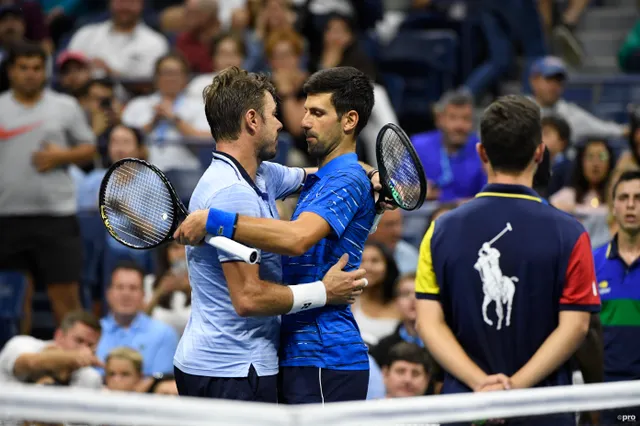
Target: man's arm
x=579, y=299
x=590, y=355
x=252, y=296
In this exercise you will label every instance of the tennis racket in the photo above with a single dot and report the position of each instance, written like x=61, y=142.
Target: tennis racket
x=141, y=210
x=401, y=173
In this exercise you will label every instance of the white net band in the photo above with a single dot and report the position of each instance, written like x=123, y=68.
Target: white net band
x=63, y=405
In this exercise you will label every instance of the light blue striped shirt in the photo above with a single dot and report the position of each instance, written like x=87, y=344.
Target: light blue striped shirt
x=217, y=342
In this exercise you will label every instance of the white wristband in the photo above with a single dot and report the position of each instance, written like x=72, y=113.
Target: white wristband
x=308, y=296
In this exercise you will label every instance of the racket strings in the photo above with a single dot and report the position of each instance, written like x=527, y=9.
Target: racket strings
x=138, y=205
x=401, y=173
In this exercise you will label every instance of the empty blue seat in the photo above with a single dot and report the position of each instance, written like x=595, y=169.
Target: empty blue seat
x=13, y=288
x=92, y=233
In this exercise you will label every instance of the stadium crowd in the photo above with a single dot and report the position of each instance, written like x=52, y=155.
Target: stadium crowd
x=86, y=83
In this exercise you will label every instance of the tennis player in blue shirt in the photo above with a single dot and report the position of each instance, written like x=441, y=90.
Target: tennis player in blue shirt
x=322, y=356
x=229, y=348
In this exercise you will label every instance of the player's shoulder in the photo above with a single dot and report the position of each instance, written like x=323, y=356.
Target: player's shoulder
x=564, y=223
x=348, y=174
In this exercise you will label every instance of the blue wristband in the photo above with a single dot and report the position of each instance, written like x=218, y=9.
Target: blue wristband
x=221, y=223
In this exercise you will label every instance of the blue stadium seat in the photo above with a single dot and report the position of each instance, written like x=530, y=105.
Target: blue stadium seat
x=427, y=63
x=13, y=287
x=93, y=234
x=184, y=182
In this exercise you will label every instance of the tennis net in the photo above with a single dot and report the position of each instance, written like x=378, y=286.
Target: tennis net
x=37, y=405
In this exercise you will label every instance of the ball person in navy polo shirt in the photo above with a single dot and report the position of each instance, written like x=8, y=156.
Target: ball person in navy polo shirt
x=507, y=308
x=322, y=355
x=618, y=273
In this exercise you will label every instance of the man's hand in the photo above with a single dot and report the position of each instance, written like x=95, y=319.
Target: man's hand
x=49, y=157
x=85, y=357
x=191, y=232
x=493, y=382
x=343, y=287
x=377, y=188
x=165, y=110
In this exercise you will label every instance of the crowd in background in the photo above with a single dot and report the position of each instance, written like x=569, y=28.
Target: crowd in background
x=124, y=78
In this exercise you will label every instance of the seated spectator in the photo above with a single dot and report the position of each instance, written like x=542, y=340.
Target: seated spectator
x=127, y=326
x=408, y=371
x=228, y=50
x=629, y=53
x=454, y=170
x=123, y=370
x=169, y=116
x=103, y=109
x=630, y=159
x=389, y=234
x=548, y=76
x=556, y=135
x=374, y=310
x=201, y=28
x=284, y=50
x=164, y=384
x=73, y=72
x=124, y=142
x=586, y=194
x=170, y=299
x=124, y=46
x=66, y=360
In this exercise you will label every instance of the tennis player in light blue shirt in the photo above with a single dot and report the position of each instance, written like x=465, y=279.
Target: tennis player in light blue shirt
x=229, y=349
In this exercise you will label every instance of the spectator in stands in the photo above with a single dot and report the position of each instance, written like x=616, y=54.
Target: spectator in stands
x=284, y=50
x=556, y=135
x=66, y=360
x=124, y=46
x=12, y=32
x=73, y=71
x=164, y=384
x=168, y=116
x=340, y=48
x=389, y=234
x=43, y=132
x=629, y=53
x=407, y=373
x=405, y=300
x=374, y=310
x=103, y=109
x=586, y=193
x=228, y=50
x=123, y=142
x=451, y=163
x=202, y=26
x=123, y=369
x=35, y=23
x=170, y=299
x=630, y=159
x=563, y=32
x=275, y=15
x=126, y=325
x=618, y=272
x=548, y=76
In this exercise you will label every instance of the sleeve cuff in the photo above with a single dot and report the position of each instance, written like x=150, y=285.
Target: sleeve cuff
x=427, y=296
x=581, y=308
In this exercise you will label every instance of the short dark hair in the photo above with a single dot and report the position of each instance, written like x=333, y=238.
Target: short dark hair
x=25, y=50
x=350, y=89
x=626, y=177
x=104, y=82
x=230, y=95
x=409, y=352
x=177, y=56
x=128, y=265
x=229, y=35
x=510, y=133
x=83, y=317
x=560, y=125
x=578, y=181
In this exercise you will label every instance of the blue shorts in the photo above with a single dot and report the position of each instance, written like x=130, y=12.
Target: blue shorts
x=250, y=388
x=308, y=385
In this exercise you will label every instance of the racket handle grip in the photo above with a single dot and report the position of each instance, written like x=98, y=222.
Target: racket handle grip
x=248, y=255
x=376, y=221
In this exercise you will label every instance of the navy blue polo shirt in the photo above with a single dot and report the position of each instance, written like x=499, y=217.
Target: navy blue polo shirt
x=503, y=266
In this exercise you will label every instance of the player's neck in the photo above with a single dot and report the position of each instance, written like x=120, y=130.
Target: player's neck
x=524, y=179
x=124, y=320
x=243, y=154
x=343, y=148
x=629, y=244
